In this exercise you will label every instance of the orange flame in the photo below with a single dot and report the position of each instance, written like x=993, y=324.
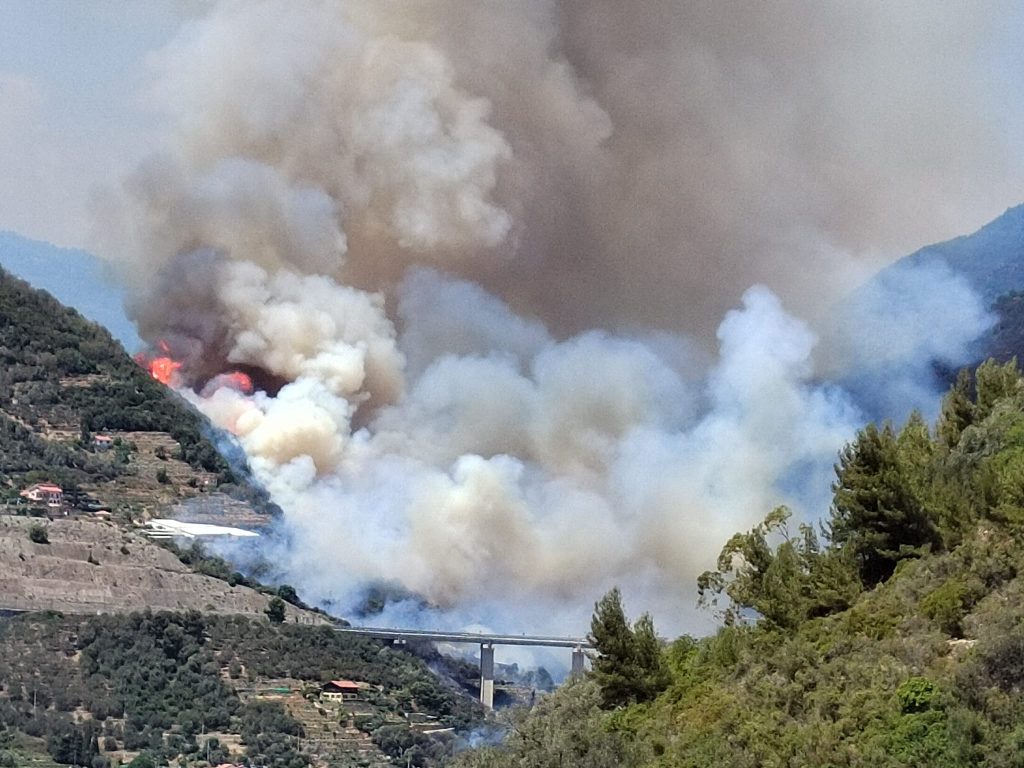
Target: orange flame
x=163, y=369
x=236, y=380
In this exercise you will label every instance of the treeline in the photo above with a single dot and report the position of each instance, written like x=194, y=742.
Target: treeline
x=889, y=635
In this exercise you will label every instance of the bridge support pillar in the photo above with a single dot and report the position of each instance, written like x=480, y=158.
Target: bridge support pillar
x=487, y=675
x=577, y=662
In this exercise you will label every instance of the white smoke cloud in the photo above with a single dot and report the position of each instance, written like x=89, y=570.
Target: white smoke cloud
x=475, y=254
x=542, y=482
x=885, y=340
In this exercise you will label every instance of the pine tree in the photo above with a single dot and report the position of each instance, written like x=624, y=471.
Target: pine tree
x=957, y=410
x=875, y=512
x=628, y=666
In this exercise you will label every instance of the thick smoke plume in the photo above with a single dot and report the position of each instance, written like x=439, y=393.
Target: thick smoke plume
x=475, y=257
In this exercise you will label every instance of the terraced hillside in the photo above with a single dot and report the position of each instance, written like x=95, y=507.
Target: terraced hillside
x=93, y=566
x=189, y=689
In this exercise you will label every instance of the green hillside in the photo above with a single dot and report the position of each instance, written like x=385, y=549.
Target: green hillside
x=63, y=380
x=892, y=637
x=204, y=690
x=235, y=679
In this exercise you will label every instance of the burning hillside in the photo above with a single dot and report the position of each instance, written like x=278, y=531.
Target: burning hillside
x=164, y=366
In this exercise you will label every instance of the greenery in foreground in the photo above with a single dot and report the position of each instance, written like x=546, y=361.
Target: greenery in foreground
x=892, y=636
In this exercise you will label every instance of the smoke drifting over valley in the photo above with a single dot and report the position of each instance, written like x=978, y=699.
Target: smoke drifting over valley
x=519, y=283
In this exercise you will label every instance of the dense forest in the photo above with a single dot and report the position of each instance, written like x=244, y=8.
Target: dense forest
x=890, y=635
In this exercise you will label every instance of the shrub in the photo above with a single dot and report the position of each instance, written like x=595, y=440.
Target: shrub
x=916, y=694
x=948, y=604
x=275, y=610
x=37, y=533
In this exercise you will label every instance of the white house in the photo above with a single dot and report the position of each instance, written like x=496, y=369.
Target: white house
x=45, y=493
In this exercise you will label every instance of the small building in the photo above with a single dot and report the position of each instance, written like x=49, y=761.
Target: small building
x=165, y=528
x=102, y=442
x=341, y=690
x=45, y=493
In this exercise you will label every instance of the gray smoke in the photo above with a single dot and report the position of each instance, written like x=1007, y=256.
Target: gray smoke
x=477, y=255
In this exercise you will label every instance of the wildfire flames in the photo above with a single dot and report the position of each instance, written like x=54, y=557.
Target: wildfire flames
x=236, y=380
x=166, y=370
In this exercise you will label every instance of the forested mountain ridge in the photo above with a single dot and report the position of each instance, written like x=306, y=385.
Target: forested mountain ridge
x=222, y=668
x=63, y=380
x=992, y=259
x=889, y=636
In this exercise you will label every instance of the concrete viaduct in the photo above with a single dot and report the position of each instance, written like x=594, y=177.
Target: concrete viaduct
x=486, y=642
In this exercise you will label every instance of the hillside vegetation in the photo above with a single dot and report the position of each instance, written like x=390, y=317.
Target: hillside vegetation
x=64, y=379
x=205, y=690
x=891, y=636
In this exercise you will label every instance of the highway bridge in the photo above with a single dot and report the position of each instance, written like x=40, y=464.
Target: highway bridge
x=487, y=641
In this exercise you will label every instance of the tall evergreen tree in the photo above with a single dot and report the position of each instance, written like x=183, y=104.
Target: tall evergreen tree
x=628, y=666
x=875, y=512
x=957, y=410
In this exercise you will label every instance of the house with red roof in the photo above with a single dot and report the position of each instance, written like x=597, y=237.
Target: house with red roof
x=341, y=690
x=44, y=493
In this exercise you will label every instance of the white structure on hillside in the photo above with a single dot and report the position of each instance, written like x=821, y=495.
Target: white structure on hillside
x=47, y=493
x=162, y=528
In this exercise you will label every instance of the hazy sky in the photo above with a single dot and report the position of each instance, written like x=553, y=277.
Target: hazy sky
x=73, y=110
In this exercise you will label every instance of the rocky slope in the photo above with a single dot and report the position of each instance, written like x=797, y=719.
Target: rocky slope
x=92, y=566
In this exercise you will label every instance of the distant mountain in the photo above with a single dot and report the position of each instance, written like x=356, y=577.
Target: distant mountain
x=992, y=259
x=991, y=262
x=75, y=277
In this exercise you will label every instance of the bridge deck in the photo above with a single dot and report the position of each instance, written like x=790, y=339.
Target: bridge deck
x=466, y=637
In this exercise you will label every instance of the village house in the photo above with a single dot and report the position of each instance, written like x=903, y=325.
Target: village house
x=340, y=690
x=44, y=493
x=102, y=442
